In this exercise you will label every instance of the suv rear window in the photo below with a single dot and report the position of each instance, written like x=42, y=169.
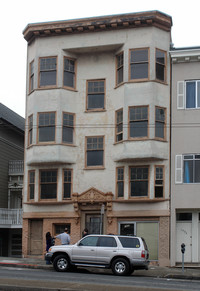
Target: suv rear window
x=129, y=242
x=107, y=242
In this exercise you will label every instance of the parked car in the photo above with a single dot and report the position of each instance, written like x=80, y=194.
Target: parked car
x=122, y=254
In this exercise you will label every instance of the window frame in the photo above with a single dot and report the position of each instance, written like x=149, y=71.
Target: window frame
x=38, y=128
x=194, y=159
x=141, y=62
x=71, y=183
x=117, y=124
x=74, y=73
x=31, y=184
x=31, y=76
x=148, y=180
x=119, y=181
x=97, y=93
x=103, y=150
x=68, y=126
x=162, y=122
x=138, y=120
x=48, y=170
x=163, y=181
x=39, y=72
x=119, y=67
x=30, y=129
x=196, y=93
x=161, y=64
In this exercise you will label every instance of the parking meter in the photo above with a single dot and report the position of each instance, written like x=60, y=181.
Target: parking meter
x=183, y=248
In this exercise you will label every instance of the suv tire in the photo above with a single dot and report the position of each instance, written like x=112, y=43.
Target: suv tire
x=120, y=267
x=61, y=263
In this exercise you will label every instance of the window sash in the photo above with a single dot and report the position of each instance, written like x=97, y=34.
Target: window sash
x=120, y=68
x=160, y=117
x=191, y=168
x=31, y=77
x=46, y=127
x=192, y=94
x=139, y=64
x=69, y=72
x=119, y=125
x=68, y=128
x=30, y=130
x=67, y=183
x=95, y=94
x=159, y=181
x=95, y=151
x=138, y=122
x=139, y=181
x=160, y=65
x=48, y=71
x=31, y=185
x=48, y=184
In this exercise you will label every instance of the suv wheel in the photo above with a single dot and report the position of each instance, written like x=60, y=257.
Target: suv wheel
x=120, y=267
x=61, y=263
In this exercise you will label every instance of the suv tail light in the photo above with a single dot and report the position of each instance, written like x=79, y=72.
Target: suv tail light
x=143, y=254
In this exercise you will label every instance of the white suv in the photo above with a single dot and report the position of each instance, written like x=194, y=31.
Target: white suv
x=122, y=254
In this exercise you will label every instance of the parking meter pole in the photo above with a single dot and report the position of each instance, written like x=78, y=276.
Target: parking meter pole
x=182, y=262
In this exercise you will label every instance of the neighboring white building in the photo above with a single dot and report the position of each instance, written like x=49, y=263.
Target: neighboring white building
x=185, y=154
x=97, y=148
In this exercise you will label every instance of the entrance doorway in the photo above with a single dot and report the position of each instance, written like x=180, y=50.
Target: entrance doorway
x=93, y=223
x=35, y=239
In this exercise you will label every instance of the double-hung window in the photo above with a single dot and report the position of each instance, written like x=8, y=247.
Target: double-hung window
x=120, y=182
x=67, y=183
x=161, y=65
x=193, y=94
x=48, y=184
x=68, y=128
x=31, y=184
x=191, y=168
x=31, y=77
x=96, y=95
x=159, y=181
x=160, y=120
x=139, y=64
x=138, y=122
x=139, y=181
x=46, y=127
x=30, y=129
x=119, y=125
x=120, y=68
x=69, y=79
x=48, y=72
x=95, y=151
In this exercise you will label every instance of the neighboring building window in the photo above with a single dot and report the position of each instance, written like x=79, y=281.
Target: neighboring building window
x=95, y=95
x=69, y=72
x=119, y=125
x=120, y=182
x=139, y=64
x=67, y=181
x=139, y=177
x=193, y=94
x=31, y=184
x=31, y=77
x=48, y=71
x=160, y=65
x=46, y=127
x=95, y=151
x=68, y=128
x=120, y=68
x=48, y=184
x=159, y=181
x=160, y=121
x=30, y=129
x=191, y=168
x=138, y=122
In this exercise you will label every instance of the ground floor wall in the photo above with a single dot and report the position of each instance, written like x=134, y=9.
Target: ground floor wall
x=154, y=229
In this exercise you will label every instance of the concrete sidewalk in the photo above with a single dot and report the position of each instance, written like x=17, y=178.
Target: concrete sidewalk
x=190, y=273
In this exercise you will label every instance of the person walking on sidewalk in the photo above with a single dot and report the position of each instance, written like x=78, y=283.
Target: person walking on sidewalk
x=64, y=237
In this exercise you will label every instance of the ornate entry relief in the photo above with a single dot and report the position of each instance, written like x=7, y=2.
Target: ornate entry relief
x=92, y=196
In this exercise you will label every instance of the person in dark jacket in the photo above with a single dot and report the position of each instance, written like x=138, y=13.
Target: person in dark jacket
x=85, y=232
x=49, y=241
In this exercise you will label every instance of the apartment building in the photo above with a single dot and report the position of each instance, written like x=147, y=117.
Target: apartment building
x=11, y=181
x=97, y=145
x=185, y=153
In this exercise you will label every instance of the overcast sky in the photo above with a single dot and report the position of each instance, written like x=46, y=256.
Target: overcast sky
x=16, y=14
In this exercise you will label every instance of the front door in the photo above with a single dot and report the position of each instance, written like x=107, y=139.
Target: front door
x=35, y=238
x=93, y=223
x=184, y=235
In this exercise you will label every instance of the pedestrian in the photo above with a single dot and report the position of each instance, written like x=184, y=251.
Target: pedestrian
x=85, y=232
x=49, y=243
x=64, y=237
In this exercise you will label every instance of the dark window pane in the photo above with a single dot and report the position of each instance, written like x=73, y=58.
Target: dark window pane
x=107, y=242
x=68, y=134
x=188, y=171
x=159, y=191
x=139, y=188
x=69, y=79
x=127, y=229
x=67, y=190
x=120, y=76
x=95, y=101
x=160, y=72
x=139, y=56
x=159, y=132
x=95, y=158
x=47, y=133
x=184, y=216
x=48, y=191
x=190, y=95
x=139, y=71
x=31, y=191
x=138, y=129
x=197, y=171
x=48, y=78
x=120, y=189
x=90, y=241
x=128, y=242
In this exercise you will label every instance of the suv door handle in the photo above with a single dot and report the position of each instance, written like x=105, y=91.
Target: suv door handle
x=92, y=250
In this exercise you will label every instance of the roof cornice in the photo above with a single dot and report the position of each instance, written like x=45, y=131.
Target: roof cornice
x=102, y=23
